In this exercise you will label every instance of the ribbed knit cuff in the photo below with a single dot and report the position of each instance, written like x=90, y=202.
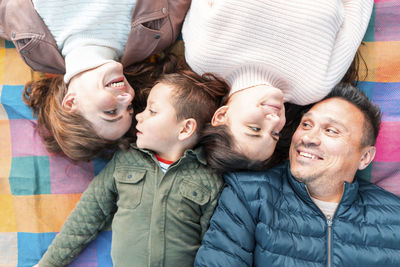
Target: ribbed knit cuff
x=250, y=75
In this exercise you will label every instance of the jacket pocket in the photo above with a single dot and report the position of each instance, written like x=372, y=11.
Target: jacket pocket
x=130, y=187
x=193, y=197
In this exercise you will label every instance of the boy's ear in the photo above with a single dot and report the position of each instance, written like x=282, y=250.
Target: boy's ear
x=188, y=129
x=69, y=102
x=367, y=156
x=219, y=117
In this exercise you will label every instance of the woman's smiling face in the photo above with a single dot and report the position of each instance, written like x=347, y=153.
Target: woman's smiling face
x=103, y=96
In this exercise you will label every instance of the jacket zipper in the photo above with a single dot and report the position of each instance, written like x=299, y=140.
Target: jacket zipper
x=329, y=222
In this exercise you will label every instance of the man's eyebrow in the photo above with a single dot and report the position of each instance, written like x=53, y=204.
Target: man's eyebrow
x=330, y=120
x=112, y=120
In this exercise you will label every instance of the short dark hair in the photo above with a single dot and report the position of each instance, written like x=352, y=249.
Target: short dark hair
x=195, y=96
x=372, y=113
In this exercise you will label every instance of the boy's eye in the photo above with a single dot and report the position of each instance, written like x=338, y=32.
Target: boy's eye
x=110, y=112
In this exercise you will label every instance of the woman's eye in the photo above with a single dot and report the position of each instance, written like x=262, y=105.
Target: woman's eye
x=110, y=112
x=254, y=129
x=152, y=111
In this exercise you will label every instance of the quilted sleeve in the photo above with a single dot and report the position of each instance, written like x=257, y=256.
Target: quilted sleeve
x=230, y=239
x=95, y=208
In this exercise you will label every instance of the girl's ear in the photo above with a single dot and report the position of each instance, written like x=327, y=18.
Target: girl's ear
x=188, y=129
x=219, y=117
x=367, y=157
x=69, y=102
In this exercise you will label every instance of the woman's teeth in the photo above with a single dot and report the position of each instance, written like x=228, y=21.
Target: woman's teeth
x=118, y=84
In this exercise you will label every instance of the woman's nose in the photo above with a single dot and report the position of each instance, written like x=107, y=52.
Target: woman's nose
x=124, y=98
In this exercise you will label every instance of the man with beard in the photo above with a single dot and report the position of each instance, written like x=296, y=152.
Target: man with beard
x=313, y=210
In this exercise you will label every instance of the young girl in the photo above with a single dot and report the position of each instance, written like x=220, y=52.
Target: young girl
x=269, y=52
x=160, y=193
x=87, y=107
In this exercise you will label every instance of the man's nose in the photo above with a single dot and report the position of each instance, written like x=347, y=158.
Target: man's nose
x=311, y=137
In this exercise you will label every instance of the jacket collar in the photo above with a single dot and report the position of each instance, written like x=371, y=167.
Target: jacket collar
x=197, y=153
x=350, y=191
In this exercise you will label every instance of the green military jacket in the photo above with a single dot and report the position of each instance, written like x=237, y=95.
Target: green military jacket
x=159, y=219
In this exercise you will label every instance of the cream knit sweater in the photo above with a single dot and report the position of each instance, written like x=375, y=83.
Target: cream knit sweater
x=303, y=47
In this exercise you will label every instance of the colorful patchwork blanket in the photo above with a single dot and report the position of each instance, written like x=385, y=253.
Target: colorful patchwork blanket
x=38, y=190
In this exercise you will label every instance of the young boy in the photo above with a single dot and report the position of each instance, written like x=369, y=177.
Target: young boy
x=160, y=192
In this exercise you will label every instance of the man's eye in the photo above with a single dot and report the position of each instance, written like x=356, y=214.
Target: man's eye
x=254, y=129
x=110, y=112
x=331, y=131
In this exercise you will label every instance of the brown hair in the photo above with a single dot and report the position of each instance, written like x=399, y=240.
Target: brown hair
x=352, y=76
x=64, y=131
x=195, y=96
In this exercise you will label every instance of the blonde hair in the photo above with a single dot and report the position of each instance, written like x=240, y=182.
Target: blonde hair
x=63, y=131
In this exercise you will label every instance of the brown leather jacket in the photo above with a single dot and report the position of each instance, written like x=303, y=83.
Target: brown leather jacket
x=155, y=26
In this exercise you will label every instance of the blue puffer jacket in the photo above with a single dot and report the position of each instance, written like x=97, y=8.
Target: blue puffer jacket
x=268, y=219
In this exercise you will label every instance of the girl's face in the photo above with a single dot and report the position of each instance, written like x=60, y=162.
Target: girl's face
x=255, y=116
x=103, y=96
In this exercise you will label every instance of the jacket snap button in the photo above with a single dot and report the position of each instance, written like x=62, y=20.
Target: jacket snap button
x=129, y=176
x=157, y=36
x=13, y=34
x=194, y=193
x=164, y=10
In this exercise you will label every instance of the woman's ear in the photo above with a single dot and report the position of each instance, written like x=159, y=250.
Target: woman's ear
x=367, y=156
x=219, y=117
x=69, y=102
x=188, y=129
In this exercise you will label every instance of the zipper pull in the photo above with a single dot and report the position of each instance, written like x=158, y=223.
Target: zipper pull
x=329, y=220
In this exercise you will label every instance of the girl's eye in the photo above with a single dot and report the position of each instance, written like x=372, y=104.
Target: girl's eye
x=254, y=129
x=110, y=112
x=275, y=135
x=152, y=111
x=306, y=125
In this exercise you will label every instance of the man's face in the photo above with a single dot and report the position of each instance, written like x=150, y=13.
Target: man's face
x=325, y=148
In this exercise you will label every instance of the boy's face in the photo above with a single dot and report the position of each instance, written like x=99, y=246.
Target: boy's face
x=158, y=128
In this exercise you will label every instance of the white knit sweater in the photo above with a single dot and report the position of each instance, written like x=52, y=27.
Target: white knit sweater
x=88, y=33
x=303, y=47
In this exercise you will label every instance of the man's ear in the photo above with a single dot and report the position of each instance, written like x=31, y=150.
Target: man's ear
x=188, y=129
x=69, y=102
x=219, y=117
x=367, y=156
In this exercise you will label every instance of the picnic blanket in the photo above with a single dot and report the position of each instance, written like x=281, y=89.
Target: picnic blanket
x=38, y=190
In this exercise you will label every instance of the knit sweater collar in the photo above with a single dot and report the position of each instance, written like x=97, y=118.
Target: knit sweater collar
x=87, y=57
